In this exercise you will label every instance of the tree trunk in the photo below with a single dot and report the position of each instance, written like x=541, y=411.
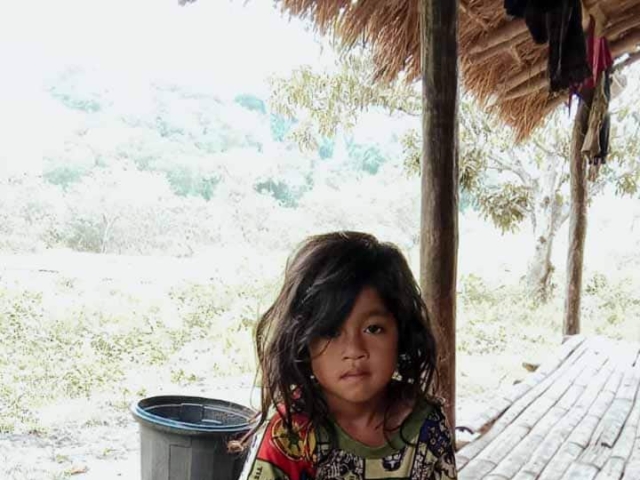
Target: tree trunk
x=541, y=268
x=578, y=225
x=106, y=231
x=439, y=218
x=549, y=213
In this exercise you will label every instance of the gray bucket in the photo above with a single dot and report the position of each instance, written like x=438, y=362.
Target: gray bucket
x=185, y=438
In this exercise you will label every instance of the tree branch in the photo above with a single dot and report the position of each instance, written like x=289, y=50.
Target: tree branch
x=545, y=149
x=514, y=166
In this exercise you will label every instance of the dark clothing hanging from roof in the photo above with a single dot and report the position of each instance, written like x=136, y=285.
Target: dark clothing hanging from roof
x=558, y=22
x=515, y=8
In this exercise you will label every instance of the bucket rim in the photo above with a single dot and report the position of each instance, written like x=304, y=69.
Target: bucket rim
x=141, y=415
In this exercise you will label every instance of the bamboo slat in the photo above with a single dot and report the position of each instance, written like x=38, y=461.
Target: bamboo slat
x=580, y=471
x=561, y=461
x=612, y=470
x=472, y=449
x=581, y=436
x=551, y=443
x=498, y=402
x=517, y=458
x=623, y=447
x=576, y=417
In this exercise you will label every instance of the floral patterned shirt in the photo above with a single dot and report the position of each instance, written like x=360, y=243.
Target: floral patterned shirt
x=423, y=451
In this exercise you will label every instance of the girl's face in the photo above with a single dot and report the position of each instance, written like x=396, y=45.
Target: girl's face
x=355, y=366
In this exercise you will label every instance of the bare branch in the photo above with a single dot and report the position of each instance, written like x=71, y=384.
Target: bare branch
x=545, y=149
x=514, y=166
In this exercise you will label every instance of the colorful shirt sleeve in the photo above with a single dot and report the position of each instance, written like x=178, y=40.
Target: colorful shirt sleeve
x=440, y=452
x=278, y=454
x=445, y=466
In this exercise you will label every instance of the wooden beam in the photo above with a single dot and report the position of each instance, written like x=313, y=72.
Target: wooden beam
x=632, y=58
x=530, y=86
x=439, y=210
x=617, y=29
x=483, y=55
x=578, y=221
x=501, y=34
x=625, y=44
x=523, y=76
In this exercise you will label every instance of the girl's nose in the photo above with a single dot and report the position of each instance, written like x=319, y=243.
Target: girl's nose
x=354, y=348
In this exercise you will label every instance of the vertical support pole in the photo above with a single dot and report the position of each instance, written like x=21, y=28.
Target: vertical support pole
x=439, y=215
x=577, y=222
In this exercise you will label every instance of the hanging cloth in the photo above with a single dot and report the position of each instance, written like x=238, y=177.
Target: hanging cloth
x=567, y=46
x=596, y=142
x=515, y=8
x=599, y=55
x=558, y=22
x=595, y=146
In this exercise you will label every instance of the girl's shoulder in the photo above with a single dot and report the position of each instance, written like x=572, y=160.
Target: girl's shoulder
x=281, y=452
x=435, y=430
x=297, y=442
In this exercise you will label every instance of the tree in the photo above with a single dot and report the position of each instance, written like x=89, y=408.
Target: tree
x=508, y=183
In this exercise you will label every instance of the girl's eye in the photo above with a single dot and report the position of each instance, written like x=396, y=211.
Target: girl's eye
x=374, y=329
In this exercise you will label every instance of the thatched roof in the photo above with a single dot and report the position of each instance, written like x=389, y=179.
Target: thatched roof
x=500, y=63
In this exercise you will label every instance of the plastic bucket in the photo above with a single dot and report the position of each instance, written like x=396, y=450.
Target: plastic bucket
x=185, y=438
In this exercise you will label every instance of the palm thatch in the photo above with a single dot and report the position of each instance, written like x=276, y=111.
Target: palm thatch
x=500, y=63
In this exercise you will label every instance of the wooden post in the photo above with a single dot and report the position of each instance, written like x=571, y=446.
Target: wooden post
x=439, y=217
x=578, y=221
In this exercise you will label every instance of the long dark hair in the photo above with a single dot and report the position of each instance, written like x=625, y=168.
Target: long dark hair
x=322, y=280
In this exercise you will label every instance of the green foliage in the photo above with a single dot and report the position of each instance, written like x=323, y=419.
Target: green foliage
x=186, y=180
x=496, y=176
x=501, y=319
x=321, y=101
x=280, y=127
x=251, y=102
x=628, y=183
x=506, y=206
x=64, y=175
x=367, y=158
x=70, y=92
x=614, y=302
x=31, y=214
x=47, y=356
x=411, y=151
x=325, y=148
x=73, y=339
x=472, y=171
x=286, y=194
x=326, y=102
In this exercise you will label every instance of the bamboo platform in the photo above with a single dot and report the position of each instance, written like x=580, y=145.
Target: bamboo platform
x=576, y=417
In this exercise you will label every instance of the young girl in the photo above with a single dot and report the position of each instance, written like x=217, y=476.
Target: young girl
x=347, y=359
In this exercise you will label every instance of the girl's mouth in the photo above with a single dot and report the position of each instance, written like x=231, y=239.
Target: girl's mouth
x=354, y=374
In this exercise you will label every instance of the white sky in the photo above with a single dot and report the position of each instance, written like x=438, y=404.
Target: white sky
x=222, y=40
x=221, y=46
